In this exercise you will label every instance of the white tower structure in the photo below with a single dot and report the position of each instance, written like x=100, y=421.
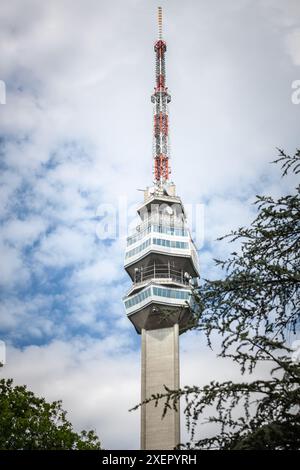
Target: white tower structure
x=162, y=262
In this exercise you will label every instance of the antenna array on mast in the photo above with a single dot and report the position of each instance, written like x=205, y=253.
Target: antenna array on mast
x=160, y=98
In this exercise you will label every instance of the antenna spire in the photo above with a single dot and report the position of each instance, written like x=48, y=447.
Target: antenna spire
x=160, y=99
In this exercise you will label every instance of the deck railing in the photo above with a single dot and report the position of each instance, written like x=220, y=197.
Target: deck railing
x=160, y=271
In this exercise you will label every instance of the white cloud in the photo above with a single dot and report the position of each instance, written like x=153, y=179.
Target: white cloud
x=220, y=214
x=28, y=315
x=293, y=46
x=21, y=233
x=13, y=271
x=101, y=272
x=63, y=247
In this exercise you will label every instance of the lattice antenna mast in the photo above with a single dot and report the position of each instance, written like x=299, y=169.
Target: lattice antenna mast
x=160, y=98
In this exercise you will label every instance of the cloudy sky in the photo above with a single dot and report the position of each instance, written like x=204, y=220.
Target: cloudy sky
x=76, y=137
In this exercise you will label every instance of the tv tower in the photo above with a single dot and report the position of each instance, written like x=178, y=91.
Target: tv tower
x=162, y=262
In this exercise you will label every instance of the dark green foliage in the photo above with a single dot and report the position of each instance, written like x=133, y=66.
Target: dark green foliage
x=255, y=309
x=29, y=422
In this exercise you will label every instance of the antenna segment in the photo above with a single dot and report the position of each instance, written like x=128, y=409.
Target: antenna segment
x=160, y=98
x=159, y=14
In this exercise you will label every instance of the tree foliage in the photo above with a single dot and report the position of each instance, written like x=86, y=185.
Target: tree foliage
x=29, y=422
x=255, y=309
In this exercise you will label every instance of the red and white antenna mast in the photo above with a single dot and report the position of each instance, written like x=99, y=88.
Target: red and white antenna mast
x=160, y=98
